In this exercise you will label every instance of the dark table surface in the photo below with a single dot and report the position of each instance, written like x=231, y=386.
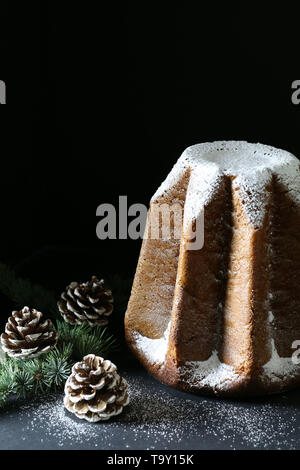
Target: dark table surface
x=158, y=417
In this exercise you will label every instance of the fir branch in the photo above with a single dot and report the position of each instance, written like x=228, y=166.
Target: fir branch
x=86, y=339
x=98, y=342
x=23, y=383
x=7, y=374
x=57, y=368
x=5, y=392
x=40, y=375
x=50, y=371
x=35, y=368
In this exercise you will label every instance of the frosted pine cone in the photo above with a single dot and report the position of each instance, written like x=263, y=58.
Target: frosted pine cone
x=27, y=335
x=95, y=391
x=87, y=302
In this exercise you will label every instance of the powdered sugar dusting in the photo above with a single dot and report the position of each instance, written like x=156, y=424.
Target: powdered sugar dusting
x=155, y=350
x=251, y=165
x=253, y=189
x=211, y=372
x=158, y=418
x=214, y=373
x=278, y=368
x=200, y=191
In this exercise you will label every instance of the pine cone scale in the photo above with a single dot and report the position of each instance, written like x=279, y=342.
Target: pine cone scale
x=80, y=379
x=91, y=316
x=74, y=399
x=33, y=322
x=93, y=300
x=12, y=340
x=98, y=385
x=98, y=408
x=82, y=304
x=76, y=385
x=99, y=310
x=24, y=330
x=71, y=306
x=29, y=350
x=81, y=407
x=33, y=336
x=87, y=394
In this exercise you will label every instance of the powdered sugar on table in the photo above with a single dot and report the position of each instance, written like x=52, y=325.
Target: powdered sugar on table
x=158, y=418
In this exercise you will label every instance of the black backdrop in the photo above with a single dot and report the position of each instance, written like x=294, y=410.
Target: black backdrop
x=102, y=101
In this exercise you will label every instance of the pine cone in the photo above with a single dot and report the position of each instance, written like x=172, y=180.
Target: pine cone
x=87, y=302
x=27, y=335
x=94, y=391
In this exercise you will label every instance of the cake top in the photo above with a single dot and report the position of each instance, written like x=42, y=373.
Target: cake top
x=251, y=165
x=237, y=157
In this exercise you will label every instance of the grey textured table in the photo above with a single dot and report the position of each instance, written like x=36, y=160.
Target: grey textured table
x=160, y=418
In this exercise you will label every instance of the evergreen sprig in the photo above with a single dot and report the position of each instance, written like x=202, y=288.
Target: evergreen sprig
x=57, y=368
x=7, y=375
x=30, y=378
x=85, y=339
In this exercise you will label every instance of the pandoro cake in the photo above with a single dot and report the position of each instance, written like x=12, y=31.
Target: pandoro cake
x=223, y=319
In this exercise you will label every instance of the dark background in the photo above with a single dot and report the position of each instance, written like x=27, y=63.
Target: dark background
x=102, y=101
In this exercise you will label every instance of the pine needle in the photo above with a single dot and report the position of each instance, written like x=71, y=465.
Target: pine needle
x=23, y=383
x=86, y=339
x=56, y=370
x=35, y=368
x=6, y=383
